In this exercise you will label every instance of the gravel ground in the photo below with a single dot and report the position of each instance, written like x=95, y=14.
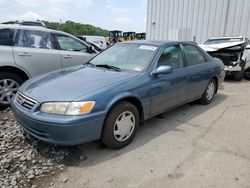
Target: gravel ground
x=26, y=162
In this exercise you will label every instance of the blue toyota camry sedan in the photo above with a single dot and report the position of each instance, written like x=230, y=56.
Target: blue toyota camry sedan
x=107, y=98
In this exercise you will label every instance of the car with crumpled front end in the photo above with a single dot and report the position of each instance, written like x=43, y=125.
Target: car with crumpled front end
x=234, y=52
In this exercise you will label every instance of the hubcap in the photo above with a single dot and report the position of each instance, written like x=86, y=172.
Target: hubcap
x=210, y=91
x=8, y=89
x=124, y=126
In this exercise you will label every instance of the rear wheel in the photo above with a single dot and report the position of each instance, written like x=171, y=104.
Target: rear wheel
x=9, y=85
x=209, y=93
x=120, y=125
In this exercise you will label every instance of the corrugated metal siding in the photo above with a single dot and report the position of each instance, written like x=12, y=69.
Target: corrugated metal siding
x=171, y=19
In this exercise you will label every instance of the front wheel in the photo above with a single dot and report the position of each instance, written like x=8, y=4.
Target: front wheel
x=238, y=76
x=120, y=125
x=209, y=93
x=9, y=85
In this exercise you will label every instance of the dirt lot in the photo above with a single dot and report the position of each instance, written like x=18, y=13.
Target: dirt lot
x=192, y=146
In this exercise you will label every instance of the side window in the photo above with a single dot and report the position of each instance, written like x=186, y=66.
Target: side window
x=193, y=55
x=34, y=39
x=172, y=56
x=6, y=37
x=70, y=44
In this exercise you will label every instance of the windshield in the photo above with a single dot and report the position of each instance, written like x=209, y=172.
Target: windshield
x=133, y=57
x=219, y=41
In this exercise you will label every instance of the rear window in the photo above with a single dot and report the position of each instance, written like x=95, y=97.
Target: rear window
x=193, y=55
x=6, y=37
x=34, y=39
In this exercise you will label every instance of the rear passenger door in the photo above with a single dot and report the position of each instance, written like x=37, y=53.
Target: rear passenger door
x=199, y=71
x=73, y=52
x=34, y=51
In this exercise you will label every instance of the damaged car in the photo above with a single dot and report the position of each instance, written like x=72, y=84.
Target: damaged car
x=234, y=52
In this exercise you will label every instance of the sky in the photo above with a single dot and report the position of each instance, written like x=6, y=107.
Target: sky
x=125, y=15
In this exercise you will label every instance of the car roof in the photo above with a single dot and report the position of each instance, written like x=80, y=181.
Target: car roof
x=37, y=28
x=157, y=42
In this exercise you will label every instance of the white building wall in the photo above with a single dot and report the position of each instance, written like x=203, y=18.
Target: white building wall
x=186, y=19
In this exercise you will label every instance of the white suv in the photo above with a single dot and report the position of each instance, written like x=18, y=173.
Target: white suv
x=27, y=51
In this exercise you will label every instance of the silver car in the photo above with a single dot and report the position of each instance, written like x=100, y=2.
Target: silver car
x=27, y=51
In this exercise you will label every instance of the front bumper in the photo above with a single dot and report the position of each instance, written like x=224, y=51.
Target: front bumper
x=231, y=68
x=67, y=131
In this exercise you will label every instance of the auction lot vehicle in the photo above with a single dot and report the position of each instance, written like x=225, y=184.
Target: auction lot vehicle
x=115, y=36
x=27, y=51
x=128, y=36
x=94, y=46
x=140, y=36
x=233, y=51
x=98, y=40
x=109, y=96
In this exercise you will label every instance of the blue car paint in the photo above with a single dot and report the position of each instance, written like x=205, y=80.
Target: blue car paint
x=84, y=83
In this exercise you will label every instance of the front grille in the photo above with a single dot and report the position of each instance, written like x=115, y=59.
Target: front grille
x=25, y=102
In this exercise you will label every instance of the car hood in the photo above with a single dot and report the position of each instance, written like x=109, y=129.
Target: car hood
x=227, y=45
x=72, y=83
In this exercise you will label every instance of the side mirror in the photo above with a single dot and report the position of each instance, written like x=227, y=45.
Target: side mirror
x=164, y=69
x=91, y=49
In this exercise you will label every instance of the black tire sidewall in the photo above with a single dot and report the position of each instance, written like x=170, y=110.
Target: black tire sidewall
x=7, y=75
x=204, y=99
x=238, y=76
x=108, y=137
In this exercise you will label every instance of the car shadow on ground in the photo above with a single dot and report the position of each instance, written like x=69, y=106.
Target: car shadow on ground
x=93, y=153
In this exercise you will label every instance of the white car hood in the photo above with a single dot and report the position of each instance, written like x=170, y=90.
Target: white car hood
x=216, y=47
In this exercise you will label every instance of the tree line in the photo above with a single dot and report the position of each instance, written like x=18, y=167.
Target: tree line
x=77, y=28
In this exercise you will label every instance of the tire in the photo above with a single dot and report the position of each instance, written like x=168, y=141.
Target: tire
x=247, y=74
x=112, y=134
x=209, y=93
x=6, y=77
x=238, y=76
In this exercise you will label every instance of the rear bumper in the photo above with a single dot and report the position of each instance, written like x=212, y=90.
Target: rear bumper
x=68, y=133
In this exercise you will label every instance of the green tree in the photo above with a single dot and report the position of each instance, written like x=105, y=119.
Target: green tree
x=77, y=28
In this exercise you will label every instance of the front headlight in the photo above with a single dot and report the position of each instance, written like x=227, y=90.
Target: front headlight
x=68, y=108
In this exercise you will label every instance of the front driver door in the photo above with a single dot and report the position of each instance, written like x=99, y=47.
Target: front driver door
x=73, y=51
x=169, y=90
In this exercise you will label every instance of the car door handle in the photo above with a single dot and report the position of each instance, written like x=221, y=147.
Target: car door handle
x=24, y=54
x=68, y=56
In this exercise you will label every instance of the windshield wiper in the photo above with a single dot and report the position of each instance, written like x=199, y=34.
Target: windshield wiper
x=109, y=67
